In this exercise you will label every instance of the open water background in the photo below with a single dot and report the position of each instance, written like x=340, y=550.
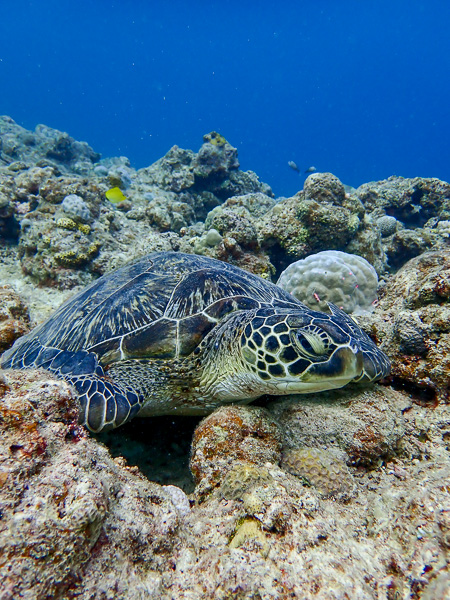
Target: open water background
x=360, y=88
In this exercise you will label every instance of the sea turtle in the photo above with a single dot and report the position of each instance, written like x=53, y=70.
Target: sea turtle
x=176, y=333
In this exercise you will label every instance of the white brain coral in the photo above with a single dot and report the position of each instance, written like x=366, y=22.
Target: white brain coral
x=346, y=280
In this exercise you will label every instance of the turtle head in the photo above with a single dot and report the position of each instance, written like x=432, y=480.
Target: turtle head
x=304, y=351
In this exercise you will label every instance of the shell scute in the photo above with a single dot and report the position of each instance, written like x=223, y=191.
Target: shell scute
x=109, y=308
x=224, y=306
x=158, y=339
x=199, y=290
x=192, y=331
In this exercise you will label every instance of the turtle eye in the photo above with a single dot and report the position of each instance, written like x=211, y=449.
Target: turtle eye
x=311, y=342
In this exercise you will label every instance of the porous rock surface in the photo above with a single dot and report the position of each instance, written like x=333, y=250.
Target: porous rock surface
x=65, y=501
x=366, y=424
x=14, y=317
x=44, y=145
x=320, y=217
x=78, y=524
x=419, y=207
x=231, y=435
x=412, y=323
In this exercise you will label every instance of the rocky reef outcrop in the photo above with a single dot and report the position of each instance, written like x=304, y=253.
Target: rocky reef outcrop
x=43, y=147
x=53, y=205
x=412, y=322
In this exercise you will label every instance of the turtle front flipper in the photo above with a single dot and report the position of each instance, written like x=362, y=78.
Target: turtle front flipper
x=104, y=404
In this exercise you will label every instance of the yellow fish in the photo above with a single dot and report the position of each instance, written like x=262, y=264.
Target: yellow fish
x=115, y=195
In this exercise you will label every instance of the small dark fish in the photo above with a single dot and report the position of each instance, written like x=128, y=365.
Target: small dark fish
x=311, y=170
x=293, y=166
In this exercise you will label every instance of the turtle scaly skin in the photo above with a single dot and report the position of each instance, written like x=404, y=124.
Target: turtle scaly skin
x=176, y=333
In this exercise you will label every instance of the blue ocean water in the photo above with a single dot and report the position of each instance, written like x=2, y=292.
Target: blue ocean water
x=360, y=88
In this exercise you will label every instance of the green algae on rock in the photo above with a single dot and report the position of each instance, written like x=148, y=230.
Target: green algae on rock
x=322, y=216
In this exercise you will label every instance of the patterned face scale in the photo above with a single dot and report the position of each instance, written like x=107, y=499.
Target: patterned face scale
x=291, y=346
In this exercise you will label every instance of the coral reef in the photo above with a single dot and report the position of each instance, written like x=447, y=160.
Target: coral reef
x=338, y=495
x=76, y=208
x=77, y=523
x=215, y=158
x=68, y=230
x=256, y=204
x=46, y=146
x=411, y=201
x=322, y=216
x=347, y=280
x=235, y=223
x=201, y=180
x=9, y=227
x=418, y=206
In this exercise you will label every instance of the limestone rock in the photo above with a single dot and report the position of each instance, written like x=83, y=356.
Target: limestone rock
x=14, y=318
x=230, y=434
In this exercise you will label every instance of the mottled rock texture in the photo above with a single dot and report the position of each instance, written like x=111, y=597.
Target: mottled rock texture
x=78, y=524
x=67, y=507
x=411, y=201
x=233, y=434
x=412, y=322
x=14, y=317
x=45, y=145
x=367, y=425
x=418, y=205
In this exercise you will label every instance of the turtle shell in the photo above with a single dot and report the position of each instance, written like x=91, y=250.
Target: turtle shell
x=161, y=306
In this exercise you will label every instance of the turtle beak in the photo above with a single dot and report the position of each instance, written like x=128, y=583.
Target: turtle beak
x=376, y=366
x=344, y=365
